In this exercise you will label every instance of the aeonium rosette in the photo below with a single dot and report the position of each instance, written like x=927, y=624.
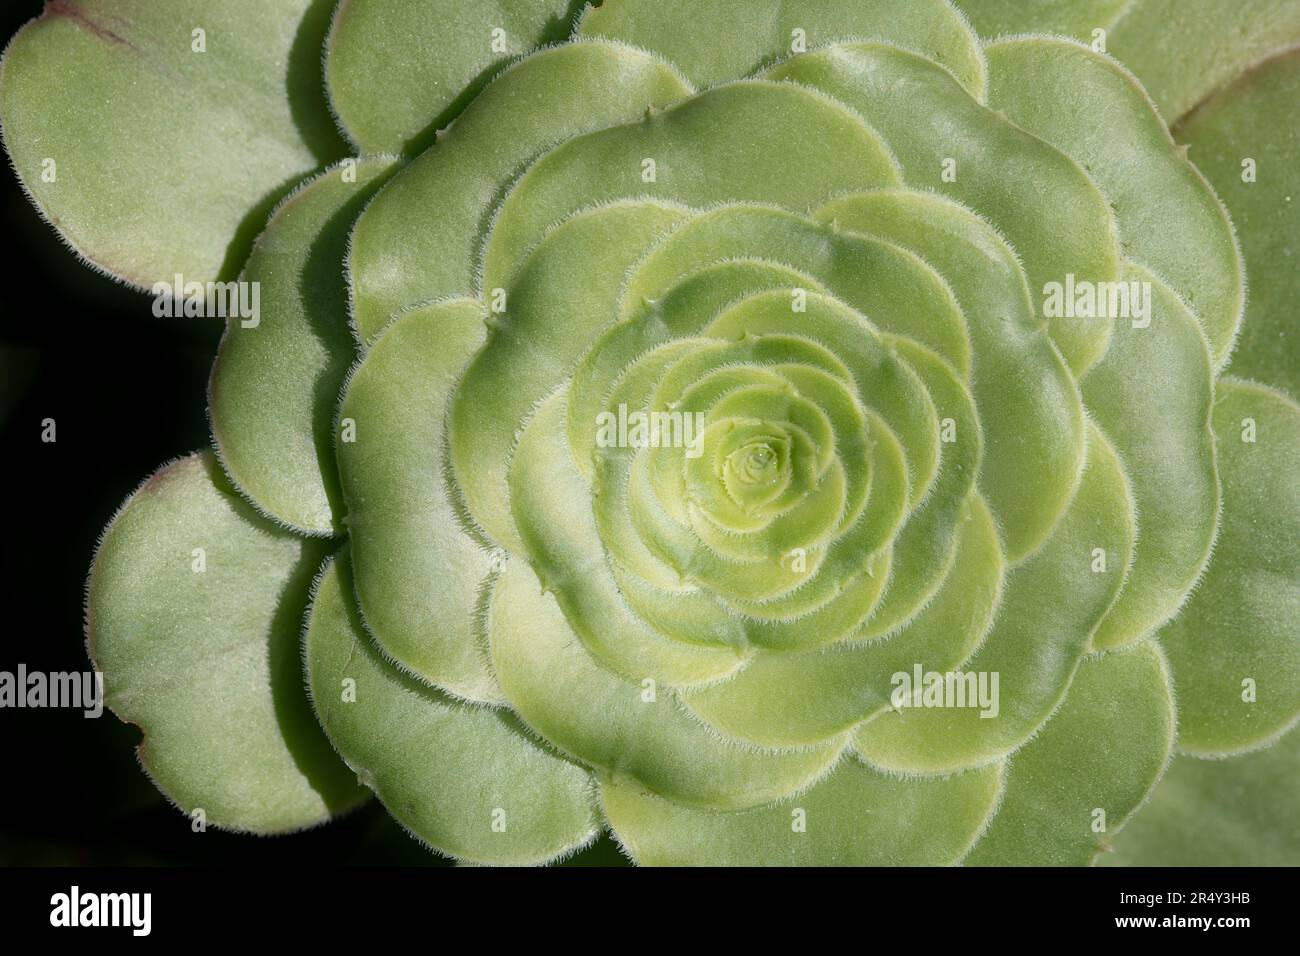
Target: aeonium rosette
x=793, y=440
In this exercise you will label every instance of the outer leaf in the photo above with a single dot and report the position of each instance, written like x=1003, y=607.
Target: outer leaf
x=398, y=70
x=1169, y=219
x=1253, y=120
x=193, y=612
x=757, y=32
x=1103, y=750
x=166, y=160
x=1182, y=50
x=1235, y=648
x=1076, y=18
x=275, y=384
x=465, y=779
x=855, y=817
x=1241, y=811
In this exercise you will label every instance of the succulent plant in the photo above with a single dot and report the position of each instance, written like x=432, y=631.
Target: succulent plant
x=812, y=433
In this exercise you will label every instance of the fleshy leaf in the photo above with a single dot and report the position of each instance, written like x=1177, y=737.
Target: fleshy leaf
x=557, y=305
x=1030, y=414
x=1241, y=811
x=402, y=254
x=1235, y=648
x=465, y=779
x=1076, y=18
x=758, y=32
x=855, y=817
x=779, y=143
x=993, y=159
x=1169, y=219
x=1051, y=603
x=194, y=608
x=275, y=383
x=419, y=568
x=156, y=135
x=800, y=698
x=1152, y=393
x=1182, y=50
x=1243, y=140
x=1089, y=769
x=633, y=730
x=399, y=70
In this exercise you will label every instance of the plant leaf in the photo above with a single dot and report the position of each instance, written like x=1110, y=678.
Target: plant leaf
x=1076, y=18
x=1251, y=120
x=275, y=384
x=193, y=613
x=1169, y=219
x=399, y=70
x=1241, y=811
x=1050, y=605
x=166, y=160
x=1183, y=50
x=420, y=238
x=1242, y=622
x=419, y=569
x=1105, y=749
x=1152, y=393
x=759, y=32
x=632, y=729
x=463, y=778
x=856, y=816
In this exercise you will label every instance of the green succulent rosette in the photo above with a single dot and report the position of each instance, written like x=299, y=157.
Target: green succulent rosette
x=772, y=433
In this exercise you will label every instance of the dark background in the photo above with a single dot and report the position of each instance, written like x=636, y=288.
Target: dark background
x=127, y=392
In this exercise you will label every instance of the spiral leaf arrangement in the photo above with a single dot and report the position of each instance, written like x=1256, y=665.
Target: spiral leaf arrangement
x=724, y=388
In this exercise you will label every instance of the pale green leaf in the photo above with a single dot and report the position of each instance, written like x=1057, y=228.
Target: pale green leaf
x=856, y=816
x=633, y=730
x=1050, y=606
x=400, y=70
x=1076, y=18
x=757, y=32
x=1245, y=141
x=1235, y=648
x=419, y=566
x=152, y=159
x=1183, y=50
x=1169, y=219
x=1152, y=394
x=194, y=608
x=1241, y=811
x=420, y=239
x=464, y=779
x=1089, y=769
x=275, y=384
